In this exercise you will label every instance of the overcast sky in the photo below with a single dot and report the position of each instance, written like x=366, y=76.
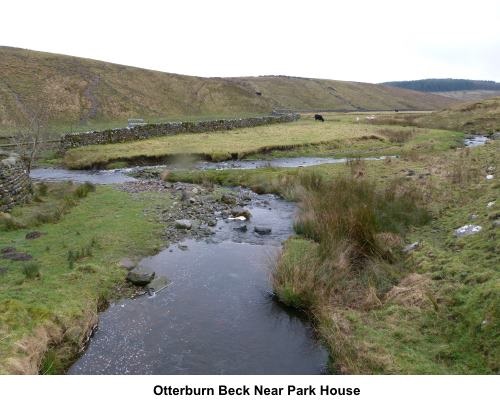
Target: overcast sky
x=370, y=41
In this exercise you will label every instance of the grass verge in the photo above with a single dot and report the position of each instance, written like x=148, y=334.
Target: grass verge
x=49, y=307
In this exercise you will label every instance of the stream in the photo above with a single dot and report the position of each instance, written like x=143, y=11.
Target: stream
x=217, y=315
x=115, y=176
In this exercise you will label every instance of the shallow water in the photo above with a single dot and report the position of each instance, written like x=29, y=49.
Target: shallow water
x=217, y=315
x=117, y=176
x=276, y=162
x=475, y=140
x=81, y=176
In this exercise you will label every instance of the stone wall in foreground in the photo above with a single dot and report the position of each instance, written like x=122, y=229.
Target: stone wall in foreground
x=119, y=135
x=15, y=183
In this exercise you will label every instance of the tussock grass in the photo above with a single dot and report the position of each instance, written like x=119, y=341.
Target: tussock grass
x=352, y=224
x=31, y=270
x=434, y=312
x=397, y=135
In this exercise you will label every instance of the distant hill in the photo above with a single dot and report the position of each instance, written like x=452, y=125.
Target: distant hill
x=83, y=91
x=445, y=85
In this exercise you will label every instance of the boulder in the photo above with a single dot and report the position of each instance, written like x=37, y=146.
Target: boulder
x=183, y=224
x=411, y=247
x=466, y=230
x=10, y=253
x=33, y=235
x=140, y=278
x=262, y=230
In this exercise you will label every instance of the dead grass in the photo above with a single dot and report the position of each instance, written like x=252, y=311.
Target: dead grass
x=64, y=338
x=351, y=232
x=397, y=135
x=412, y=291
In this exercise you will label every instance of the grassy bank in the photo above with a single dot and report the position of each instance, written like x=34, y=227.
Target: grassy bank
x=49, y=305
x=304, y=137
x=479, y=117
x=378, y=309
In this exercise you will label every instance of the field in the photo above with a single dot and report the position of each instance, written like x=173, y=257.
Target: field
x=337, y=137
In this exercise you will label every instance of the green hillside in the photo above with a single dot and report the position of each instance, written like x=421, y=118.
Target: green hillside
x=88, y=92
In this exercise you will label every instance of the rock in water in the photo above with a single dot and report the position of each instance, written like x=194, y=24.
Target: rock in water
x=183, y=224
x=139, y=278
x=158, y=284
x=262, y=230
x=241, y=228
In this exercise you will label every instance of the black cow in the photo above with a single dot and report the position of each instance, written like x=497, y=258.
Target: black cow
x=319, y=117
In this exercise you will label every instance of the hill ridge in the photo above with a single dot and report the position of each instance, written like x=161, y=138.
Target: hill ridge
x=80, y=90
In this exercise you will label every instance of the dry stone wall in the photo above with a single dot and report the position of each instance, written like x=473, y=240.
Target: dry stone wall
x=119, y=135
x=15, y=183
